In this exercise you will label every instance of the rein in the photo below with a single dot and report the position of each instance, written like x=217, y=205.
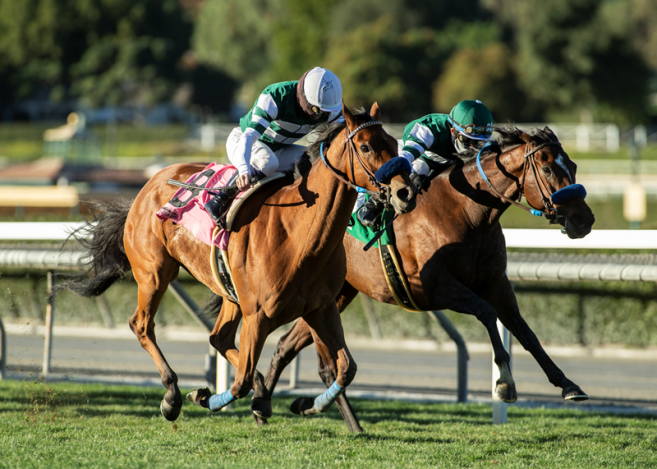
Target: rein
x=550, y=212
x=351, y=151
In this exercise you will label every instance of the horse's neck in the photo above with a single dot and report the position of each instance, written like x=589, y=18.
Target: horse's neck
x=479, y=204
x=333, y=207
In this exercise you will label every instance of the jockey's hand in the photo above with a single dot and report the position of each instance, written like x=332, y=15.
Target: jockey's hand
x=243, y=182
x=420, y=181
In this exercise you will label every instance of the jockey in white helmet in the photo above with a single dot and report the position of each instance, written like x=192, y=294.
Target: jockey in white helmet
x=282, y=114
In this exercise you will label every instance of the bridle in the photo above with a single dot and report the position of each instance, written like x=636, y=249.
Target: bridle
x=550, y=212
x=382, y=191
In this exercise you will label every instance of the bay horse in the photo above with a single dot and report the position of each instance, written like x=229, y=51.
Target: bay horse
x=453, y=252
x=285, y=254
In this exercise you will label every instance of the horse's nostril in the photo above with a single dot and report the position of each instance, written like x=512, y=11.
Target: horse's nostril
x=403, y=194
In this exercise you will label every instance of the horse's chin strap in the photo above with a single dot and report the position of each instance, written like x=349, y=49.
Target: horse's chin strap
x=550, y=211
x=382, y=192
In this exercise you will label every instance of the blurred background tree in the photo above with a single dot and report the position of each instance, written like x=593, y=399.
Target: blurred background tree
x=528, y=60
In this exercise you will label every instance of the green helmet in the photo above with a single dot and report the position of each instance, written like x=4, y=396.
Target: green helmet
x=472, y=119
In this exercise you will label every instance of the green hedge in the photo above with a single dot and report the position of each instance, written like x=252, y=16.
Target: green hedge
x=555, y=318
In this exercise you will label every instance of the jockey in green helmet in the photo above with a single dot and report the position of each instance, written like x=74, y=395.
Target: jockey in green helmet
x=435, y=141
x=283, y=113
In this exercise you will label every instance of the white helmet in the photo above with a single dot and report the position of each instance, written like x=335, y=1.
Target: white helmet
x=323, y=89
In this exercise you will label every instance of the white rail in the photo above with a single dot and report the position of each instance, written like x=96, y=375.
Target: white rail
x=515, y=238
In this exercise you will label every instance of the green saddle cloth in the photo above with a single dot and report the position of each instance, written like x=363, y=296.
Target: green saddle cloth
x=364, y=234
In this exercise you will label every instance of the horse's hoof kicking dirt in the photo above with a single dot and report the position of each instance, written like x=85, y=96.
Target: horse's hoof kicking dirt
x=169, y=412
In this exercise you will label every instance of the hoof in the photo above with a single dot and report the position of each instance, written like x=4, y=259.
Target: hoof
x=303, y=406
x=506, y=392
x=261, y=408
x=199, y=396
x=574, y=393
x=260, y=421
x=169, y=412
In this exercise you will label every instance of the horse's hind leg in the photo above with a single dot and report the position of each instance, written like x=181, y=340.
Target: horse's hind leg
x=151, y=287
x=503, y=299
x=327, y=329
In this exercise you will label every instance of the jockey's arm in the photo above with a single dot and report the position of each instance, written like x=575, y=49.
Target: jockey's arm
x=261, y=116
x=242, y=156
x=416, y=142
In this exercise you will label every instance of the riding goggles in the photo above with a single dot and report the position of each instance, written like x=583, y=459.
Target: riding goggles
x=469, y=141
x=472, y=131
x=317, y=111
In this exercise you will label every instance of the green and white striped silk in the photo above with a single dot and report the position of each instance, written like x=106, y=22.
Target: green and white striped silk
x=278, y=120
x=428, y=133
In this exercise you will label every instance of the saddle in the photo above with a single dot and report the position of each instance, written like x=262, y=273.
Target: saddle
x=394, y=274
x=186, y=208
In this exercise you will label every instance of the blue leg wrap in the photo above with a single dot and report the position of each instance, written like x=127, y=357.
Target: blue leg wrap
x=324, y=400
x=218, y=401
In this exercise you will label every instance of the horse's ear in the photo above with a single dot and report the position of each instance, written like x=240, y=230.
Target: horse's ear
x=526, y=137
x=375, y=112
x=348, y=116
x=552, y=135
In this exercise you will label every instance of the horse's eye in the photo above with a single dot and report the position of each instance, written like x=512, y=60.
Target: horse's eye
x=547, y=170
x=364, y=148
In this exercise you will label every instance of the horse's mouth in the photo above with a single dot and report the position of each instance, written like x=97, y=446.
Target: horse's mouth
x=576, y=230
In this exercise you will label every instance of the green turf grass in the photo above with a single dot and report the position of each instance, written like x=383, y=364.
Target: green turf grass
x=75, y=425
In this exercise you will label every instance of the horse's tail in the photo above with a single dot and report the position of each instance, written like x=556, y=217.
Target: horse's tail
x=103, y=237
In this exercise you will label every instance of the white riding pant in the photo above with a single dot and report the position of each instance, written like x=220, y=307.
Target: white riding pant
x=262, y=157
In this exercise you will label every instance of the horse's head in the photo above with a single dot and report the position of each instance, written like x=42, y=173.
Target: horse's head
x=550, y=184
x=371, y=160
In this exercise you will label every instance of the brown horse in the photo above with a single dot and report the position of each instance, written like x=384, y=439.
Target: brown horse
x=453, y=252
x=285, y=254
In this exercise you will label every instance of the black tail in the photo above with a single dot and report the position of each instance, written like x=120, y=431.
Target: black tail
x=213, y=307
x=103, y=237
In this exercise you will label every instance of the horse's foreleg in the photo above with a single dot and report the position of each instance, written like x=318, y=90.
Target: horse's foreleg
x=142, y=324
x=503, y=299
x=327, y=329
x=223, y=339
x=299, y=337
x=462, y=300
x=327, y=375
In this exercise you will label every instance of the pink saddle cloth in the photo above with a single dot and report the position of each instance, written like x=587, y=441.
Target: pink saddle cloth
x=188, y=210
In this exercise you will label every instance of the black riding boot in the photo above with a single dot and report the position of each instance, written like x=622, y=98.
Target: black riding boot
x=220, y=203
x=370, y=214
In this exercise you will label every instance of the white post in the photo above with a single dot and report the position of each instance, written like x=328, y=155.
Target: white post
x=582, y=138
x=223, y=376
x=294, y=372
x=640, y=136
x=499, y=406
x=50, y=313
x=207, y=137
x=613, y=138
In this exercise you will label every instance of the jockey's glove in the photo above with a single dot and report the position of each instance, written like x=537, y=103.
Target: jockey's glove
x=420, y=181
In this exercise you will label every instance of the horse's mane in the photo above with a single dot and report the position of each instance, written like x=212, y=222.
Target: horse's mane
x=327, y=132
x=507, y=136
